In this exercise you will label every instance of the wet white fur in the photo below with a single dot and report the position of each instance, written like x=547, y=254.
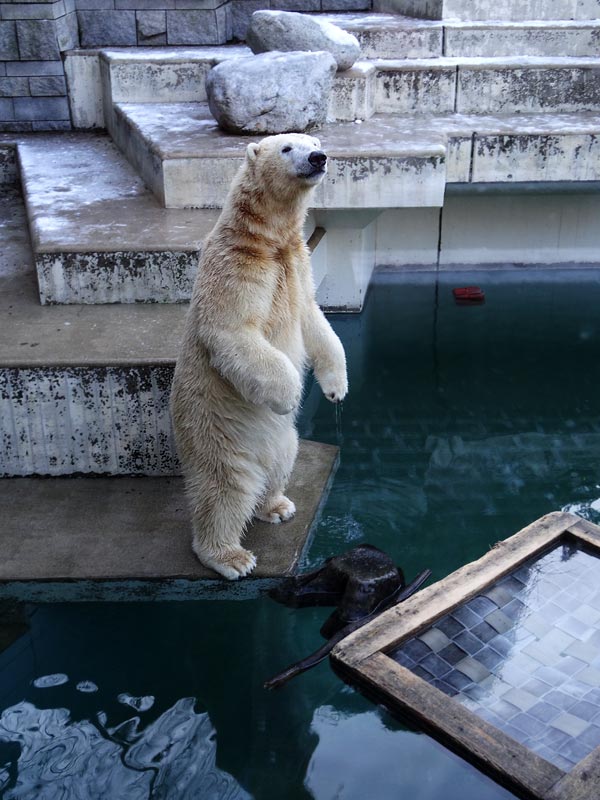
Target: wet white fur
x=252, y=329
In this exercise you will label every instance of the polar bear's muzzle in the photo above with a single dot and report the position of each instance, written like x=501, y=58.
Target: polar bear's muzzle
x=317, y=161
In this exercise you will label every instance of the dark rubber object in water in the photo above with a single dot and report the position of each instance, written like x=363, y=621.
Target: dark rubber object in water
x=362, y=583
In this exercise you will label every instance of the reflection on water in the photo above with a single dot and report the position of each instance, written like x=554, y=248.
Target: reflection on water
x=49, y=681
x=383, y=759
x=87, y=687
x=139, y=703
x=45, y=755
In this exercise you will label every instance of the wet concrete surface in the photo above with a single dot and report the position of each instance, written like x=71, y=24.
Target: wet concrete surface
x=188, y=130
x=58, y=530
x=83, y=196
x=76, y=335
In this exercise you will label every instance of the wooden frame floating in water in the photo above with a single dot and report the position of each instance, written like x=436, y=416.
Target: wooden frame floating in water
x=501, y=660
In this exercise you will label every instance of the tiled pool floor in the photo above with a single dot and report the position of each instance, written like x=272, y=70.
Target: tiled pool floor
x=525, y=655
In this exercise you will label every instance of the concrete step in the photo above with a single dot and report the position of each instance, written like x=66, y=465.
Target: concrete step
x=487, y=85
x=552, y=38
x=83, y=389
x=177, y=75
x=84, y=538
x=196, y=165
x=161, y=74
x=476, y=75
x=515, y=148
x=189, y=162
x=391, y=35
x=98, y=234
x=488, y=10
x=398, y=37
x=469, y=85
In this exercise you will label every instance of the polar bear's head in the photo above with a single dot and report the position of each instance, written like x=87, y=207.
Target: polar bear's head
x=288, y=161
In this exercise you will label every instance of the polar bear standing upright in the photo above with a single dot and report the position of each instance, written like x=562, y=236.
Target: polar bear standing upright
x=252, y=328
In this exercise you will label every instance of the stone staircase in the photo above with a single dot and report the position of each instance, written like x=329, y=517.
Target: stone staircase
x=459, y=138
x=439, y=100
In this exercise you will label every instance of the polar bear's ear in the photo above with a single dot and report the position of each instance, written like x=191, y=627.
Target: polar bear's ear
x=252, y=151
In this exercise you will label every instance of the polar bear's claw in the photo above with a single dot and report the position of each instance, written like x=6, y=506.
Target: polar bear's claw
x=231, y=564
x=278, y=510
x=334, y=386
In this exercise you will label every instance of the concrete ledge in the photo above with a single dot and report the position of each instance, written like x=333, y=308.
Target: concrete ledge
x=154, y=75
x=532, y=38
x=397, y=37
x=58, y=532
x=98, y=234
x=513, y=148
x=500, y=85
x=391, y=36
x=486, y=10
x=193, y=163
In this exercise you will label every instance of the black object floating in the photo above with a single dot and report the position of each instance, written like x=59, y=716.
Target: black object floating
x=362, y=583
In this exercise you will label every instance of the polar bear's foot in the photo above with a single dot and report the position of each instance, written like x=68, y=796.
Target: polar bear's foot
x=231, y=564
x=277, y=509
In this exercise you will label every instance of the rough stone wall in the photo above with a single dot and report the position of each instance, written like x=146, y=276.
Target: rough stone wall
x=130, y=23
x=33, y=93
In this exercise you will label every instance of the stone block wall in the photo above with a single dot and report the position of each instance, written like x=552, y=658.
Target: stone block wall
x=144, y=23
x=35, y=33
x=130, y=23
x=33, y=92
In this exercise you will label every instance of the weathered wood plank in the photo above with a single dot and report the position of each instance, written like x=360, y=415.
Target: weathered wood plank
x=434, y=601
x=586, y=531
x=493, y=750
x=582, y=783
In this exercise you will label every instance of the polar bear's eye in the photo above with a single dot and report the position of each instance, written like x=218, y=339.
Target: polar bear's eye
x=286, y=149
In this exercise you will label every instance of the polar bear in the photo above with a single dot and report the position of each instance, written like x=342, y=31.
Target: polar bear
x=252, y=329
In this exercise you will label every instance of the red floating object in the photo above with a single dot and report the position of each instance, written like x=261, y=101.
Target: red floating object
x=469, y=296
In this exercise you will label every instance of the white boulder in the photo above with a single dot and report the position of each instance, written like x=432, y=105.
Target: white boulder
x=271, y=92
x=286, y=30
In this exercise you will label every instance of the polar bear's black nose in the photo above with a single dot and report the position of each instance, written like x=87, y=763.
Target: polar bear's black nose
x=317, y=158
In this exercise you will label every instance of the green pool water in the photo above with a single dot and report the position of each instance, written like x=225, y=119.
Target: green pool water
x=462, y=425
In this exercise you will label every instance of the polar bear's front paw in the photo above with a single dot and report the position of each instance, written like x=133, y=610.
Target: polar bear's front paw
x=287, y=398
x=278, y=509
x=231, y=564
x=334, y=386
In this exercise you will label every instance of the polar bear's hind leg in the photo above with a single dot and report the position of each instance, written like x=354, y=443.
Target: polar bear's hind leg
x=219, y=519
x=276, y=507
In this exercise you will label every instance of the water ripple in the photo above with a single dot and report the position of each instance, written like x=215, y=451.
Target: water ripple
x=87, y=687
x=139, y=703
x=49, y=681
x=172, y=758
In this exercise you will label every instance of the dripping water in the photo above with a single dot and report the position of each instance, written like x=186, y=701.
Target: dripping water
x=339, y=436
